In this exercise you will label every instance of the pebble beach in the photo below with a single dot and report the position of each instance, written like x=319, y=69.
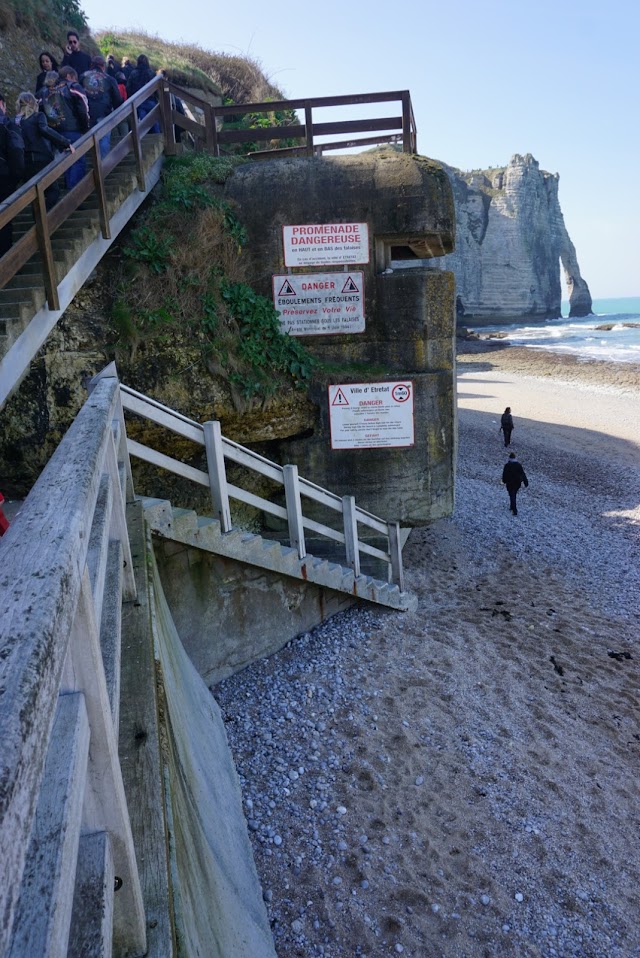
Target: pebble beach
x=462, y=781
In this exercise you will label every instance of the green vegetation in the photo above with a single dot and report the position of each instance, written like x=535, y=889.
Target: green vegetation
x=49, y=19
x=236, y=79
x=175, y=58
x=184, y=282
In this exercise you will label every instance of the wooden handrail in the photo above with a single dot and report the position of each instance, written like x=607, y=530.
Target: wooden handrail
x=93, y=181
x=208, y=136
x=309, y=131
x=54, y=614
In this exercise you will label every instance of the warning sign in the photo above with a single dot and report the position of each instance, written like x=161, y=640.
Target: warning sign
x=371, y=415
x=315, y=304
x=325, y=244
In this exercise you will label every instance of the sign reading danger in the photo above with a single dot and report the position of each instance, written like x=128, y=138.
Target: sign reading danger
x=371, y=415
x=314, y=304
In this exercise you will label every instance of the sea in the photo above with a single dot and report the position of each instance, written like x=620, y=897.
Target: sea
x=582, y=337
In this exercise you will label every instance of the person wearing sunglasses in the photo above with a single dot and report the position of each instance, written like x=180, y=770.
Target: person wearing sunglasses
x=74, y=56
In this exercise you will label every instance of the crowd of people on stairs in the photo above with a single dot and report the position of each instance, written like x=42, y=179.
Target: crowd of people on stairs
x=69, y=98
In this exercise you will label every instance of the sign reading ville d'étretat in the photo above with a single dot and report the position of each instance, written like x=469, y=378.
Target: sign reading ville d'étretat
x=371, y=415
x=312, y=304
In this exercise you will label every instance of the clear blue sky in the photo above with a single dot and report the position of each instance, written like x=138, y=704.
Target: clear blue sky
x=488, y=78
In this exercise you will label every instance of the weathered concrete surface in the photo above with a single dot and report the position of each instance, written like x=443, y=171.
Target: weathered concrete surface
x=219, y=911
x=229, y=614
x=410, y=317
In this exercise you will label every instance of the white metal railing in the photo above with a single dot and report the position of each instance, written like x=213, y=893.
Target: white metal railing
x=218, y=449
x=64, y=824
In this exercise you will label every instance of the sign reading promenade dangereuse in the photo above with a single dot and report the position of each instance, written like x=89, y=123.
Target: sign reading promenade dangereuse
x=371, y=415
x=325, y=244
x=313, y=304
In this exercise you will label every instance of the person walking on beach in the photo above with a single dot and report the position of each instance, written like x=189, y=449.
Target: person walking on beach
x=513, y=476
x=506, y=425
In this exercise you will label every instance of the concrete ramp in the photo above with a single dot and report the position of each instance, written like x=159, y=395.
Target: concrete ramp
x=219, y=911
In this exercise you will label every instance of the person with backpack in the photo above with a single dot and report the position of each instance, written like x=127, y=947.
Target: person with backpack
x=506, y=425
x=65, y=107
x=11, y=167
x=103, y=97
x=39, y=140
x=513, y=476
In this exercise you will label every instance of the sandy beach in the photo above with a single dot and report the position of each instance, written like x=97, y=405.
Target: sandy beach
x=462, y=781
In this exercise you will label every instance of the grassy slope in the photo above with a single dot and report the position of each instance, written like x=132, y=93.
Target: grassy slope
x=238, y=79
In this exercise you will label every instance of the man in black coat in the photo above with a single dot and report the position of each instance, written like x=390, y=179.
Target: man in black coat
x=74, y=56
x=513, y=476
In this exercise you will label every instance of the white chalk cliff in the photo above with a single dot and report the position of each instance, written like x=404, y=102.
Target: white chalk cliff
x=510, y=242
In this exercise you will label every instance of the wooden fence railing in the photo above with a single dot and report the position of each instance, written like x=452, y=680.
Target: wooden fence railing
x=37, y=239
x=389, y=129
x=219, y=450
x=69, y=872
x=206, y=133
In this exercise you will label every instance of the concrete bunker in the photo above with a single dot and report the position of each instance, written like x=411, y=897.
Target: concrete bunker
x=402, y=202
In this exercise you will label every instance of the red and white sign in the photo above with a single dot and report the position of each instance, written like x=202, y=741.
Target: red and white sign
x=314, y=304
x=371, y=415
x=325, y=244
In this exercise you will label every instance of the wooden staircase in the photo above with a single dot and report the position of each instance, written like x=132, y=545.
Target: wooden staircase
x=26, y=318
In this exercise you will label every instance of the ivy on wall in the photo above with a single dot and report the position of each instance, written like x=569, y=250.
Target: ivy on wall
x=184, y=280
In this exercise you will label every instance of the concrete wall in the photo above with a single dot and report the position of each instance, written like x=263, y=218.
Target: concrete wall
x=218, y=905
x=409, y=315
x=229, y=614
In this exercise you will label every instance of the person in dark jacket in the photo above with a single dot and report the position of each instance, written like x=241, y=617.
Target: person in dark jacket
x=103, y=97
x=139, y=78
x=11, y=167
x=39, y=140
x=506, y=425
x=65, y=107
x=513, y=476
x=112, y=67
x=74, y=56
x=47, y=62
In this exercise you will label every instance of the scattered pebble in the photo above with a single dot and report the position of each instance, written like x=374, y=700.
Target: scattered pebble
x=318, y=729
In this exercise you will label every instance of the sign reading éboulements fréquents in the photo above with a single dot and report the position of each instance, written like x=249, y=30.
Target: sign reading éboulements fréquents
x=325, y=244
x=371, y=415
x=316, y=304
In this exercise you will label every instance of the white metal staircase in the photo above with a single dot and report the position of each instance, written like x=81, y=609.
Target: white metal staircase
x=346, y=545
x=201, y=532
